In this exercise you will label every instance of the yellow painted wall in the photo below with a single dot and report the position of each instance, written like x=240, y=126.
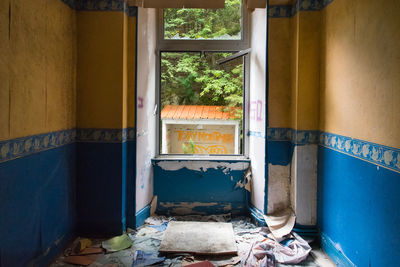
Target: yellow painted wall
x=360, y=70
x=279, y=72
x=106, y=69
x=100, y=80
x=304, y=71
x=131, y=71
x=294, y=63
x=308, y=71
x=294, y=71
x=37, y=67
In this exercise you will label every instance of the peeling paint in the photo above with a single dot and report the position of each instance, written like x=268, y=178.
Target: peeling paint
x=246, y=183
x=304, y=184
x=278, y=187
x=228, y=207
x=201, y=208
x=202, y=165
x=185, y=208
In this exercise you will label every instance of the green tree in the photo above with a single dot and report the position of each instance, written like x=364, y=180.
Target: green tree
x=194, y=78
x=224, y=23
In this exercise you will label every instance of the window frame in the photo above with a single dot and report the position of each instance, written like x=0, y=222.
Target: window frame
x=179, y=45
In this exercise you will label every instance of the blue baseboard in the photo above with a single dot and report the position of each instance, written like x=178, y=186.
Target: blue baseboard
x=334, y=253
x=142, y=215
x=306, y=230
x=257, y=216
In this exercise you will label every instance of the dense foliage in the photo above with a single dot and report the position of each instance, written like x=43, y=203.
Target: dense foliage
x=191, y=23
x=194, y=78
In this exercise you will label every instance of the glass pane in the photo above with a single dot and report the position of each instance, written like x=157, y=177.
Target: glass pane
x=201, y=103
x=209, y=24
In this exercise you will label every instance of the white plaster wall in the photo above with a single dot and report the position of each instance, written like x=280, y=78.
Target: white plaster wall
x=304, y=184
x=146, y=120
x=202, y=165
x=257, y=106
x=278, y=187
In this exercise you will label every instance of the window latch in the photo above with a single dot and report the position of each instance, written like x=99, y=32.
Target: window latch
x=155, y=110
x=234, y=56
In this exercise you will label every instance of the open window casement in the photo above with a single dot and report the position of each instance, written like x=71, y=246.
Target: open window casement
x=202, y=80
x=178, y=3
x=250, y=4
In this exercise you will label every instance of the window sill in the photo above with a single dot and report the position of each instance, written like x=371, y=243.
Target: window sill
x=227, y=158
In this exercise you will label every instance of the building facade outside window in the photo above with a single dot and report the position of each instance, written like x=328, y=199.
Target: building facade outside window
x=202, y=80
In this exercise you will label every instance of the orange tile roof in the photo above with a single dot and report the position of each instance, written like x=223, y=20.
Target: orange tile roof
x=198, y=112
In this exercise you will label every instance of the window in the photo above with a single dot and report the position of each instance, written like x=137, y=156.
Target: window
x=202, y=80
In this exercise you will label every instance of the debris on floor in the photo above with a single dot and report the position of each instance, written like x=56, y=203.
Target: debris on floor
x=81, y=244
x=117, y=243
x=255, y=246
x=141, y=259
x=281, y=223
x=82, y=252
x=79, y=260
x=200, y=238
x=266, y=252
x=202, y=264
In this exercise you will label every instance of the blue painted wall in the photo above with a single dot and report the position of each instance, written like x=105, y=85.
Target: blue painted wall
x=99, y=188
x=206, y=186
x=106, y=187
x=279, y=152
x=130, y=198
x=37, y=206
x=358, y=211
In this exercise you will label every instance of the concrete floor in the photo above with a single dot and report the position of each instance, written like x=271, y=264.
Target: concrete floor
x=148, y=239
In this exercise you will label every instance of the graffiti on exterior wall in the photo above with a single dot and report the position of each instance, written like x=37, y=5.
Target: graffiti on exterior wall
x=207, y=139
x=204, y=136
x=212, y=149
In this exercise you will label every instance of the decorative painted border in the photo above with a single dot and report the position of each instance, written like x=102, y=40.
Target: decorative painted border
x=28, y=145
x=297, y=137
x=100, y=135
x=25, y=146
x=381, y=155
x=256, y=134
x=287, y=11
x=105, y=135
x=280, y=11
x=102, y=5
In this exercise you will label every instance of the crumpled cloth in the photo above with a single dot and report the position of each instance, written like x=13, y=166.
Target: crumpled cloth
x=267, y=252
x=141, y=259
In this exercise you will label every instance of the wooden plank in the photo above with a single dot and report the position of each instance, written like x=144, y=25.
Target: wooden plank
x=79, y=260
x=202, y=238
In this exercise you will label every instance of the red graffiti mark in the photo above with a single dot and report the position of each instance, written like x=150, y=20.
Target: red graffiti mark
x=140, y=102
x=256, y=108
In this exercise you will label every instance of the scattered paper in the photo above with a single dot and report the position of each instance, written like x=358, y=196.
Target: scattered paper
x=281, y=223
x=141, y=259
x=117, y=243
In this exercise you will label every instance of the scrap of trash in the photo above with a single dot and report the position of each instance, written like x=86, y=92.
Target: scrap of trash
x=256, y=246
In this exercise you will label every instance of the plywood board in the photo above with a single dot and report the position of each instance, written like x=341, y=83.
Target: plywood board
x=204, y=238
